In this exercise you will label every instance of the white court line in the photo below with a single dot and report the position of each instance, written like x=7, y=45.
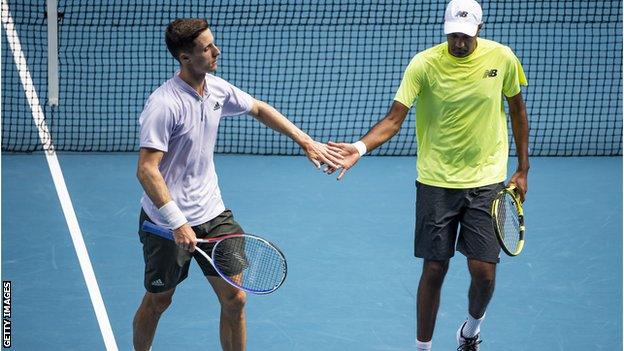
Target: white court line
x=59, y=181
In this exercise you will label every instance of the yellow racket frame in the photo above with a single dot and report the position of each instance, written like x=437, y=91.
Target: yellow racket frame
x=511, y=190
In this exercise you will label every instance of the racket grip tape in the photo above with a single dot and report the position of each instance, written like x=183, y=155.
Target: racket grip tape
x=152, y=228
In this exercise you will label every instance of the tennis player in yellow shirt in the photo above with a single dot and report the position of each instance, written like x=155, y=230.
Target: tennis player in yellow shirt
x=461, y=127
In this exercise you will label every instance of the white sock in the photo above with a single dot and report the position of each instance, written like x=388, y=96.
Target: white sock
x=423, y=346
x=472, y=326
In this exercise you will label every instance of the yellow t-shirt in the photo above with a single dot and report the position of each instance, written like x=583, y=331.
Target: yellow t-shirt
x=461, y=126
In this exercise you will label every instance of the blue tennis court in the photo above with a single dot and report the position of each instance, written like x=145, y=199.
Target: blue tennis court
x=352, y=278
x=70, y=199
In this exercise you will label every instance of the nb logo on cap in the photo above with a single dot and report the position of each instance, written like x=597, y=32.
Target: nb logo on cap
x=462, y=14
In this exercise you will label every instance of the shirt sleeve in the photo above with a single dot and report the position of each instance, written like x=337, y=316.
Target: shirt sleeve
x=237, y=103
x=514, y=76
x=411, y=83
x=157, y=123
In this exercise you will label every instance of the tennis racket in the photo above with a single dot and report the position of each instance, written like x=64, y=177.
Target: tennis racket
x=508, y=220
x=246, y=261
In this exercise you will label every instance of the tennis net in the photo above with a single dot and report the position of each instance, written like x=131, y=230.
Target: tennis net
x=331, y=67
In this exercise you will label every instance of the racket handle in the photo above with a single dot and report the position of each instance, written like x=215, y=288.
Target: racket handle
x=152, y=228
x=157, y=230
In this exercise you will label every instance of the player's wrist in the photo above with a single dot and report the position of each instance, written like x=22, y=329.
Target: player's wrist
x=173, y=215
x=361, y=147
x=302, y=139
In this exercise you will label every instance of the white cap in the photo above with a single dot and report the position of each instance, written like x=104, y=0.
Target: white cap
x=462, y=16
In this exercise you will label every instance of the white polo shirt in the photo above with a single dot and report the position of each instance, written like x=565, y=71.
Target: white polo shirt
x=177, y=121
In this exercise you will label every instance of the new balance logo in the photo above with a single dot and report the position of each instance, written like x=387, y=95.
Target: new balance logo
x=490, y=73
x=158, y=282
x=462, y=14
x=216, y=106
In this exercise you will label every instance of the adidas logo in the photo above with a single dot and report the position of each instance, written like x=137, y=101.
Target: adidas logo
x=216, y=106
x=158, y=282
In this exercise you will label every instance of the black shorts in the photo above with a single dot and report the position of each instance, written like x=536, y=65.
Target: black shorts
x=167, y=265
x=440, y=212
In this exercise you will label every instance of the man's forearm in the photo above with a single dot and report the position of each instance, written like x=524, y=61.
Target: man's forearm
x=381, y=132
x=521, y=137
x=520, y=128
x=154, y=185
x=387, y=127
x=273, y=119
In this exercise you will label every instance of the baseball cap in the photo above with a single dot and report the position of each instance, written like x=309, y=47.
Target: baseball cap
x=462, y=16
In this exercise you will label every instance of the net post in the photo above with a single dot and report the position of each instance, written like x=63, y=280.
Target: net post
x=53, y=81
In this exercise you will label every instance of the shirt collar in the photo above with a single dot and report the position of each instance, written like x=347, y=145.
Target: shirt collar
x=187, y=88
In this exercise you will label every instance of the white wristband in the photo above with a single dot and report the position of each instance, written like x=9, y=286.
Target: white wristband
x=360, y=146
x=172, y=215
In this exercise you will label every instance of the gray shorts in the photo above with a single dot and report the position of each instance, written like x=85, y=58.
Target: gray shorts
x=167, y=265
x=449, y=218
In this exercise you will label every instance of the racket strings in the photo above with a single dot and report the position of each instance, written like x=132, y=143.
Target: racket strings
x=250, y=263
x=508, y=222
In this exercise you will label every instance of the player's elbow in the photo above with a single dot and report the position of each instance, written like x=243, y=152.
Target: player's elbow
x=393, y=127
x=258, y=107
x=396, y=126
x=515, y=109
x=140, y=172
x=519, y=118
x=143, y=172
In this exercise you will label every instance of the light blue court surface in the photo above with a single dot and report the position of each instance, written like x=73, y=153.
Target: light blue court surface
x=352, y=278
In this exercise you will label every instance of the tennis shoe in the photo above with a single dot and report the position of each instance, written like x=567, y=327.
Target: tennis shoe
x=467, y=344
